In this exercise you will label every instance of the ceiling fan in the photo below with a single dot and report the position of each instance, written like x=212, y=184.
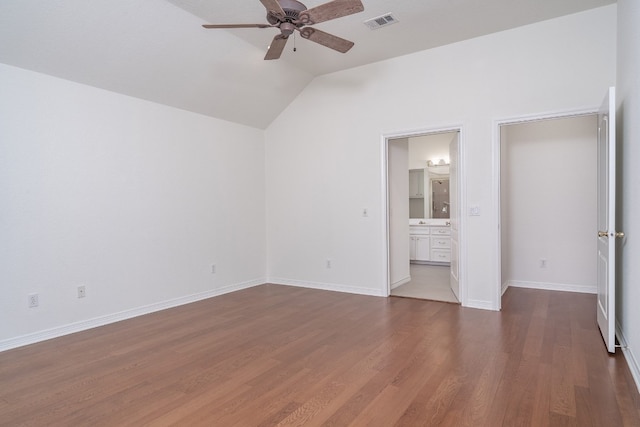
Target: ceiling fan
x=291, y=15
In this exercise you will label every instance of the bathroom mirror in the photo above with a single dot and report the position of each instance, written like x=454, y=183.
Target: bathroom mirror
x=439, y=198
x=429, y=193
x=429, y=175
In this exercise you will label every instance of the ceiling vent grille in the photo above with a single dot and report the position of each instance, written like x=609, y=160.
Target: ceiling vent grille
x=380, y=21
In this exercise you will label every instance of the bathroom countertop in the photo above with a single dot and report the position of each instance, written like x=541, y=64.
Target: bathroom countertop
x=429, y=221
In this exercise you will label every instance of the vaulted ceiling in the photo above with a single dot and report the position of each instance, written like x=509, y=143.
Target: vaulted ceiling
x=158, y=51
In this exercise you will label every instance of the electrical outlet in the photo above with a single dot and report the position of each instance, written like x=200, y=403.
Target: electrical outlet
x=213, y=269
x=328, y=263
x=33, y=300
x=543, y=263
x=82, y=291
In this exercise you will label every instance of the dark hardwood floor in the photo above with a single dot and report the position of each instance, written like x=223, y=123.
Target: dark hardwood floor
x=278, y=355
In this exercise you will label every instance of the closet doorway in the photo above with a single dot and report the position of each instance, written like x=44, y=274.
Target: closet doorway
x=423, y=215
x=548, y=203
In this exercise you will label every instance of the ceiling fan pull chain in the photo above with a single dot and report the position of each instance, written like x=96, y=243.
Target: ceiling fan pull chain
x=294, y=42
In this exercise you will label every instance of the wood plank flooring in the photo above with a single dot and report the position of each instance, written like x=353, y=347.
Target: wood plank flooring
x=283, y=356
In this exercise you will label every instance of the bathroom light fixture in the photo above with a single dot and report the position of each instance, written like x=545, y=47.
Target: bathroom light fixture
x=439, y=162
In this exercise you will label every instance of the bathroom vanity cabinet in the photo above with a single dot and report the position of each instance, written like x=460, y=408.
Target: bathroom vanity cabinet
x=430, y=244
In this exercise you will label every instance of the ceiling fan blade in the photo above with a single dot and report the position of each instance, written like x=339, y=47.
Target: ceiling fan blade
x=332, y=10
x=276, y=47
x=237, y=26
x=273, y=7
x=326, y=39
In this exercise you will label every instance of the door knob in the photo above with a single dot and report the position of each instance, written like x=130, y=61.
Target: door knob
x=619, y=234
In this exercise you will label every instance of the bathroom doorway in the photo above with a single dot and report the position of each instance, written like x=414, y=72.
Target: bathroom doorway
x=423, y=188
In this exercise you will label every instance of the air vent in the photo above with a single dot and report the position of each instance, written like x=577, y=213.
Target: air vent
x=380, y=21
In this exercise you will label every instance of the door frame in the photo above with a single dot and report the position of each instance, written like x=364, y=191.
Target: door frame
x=385, y=137
x=497, y=171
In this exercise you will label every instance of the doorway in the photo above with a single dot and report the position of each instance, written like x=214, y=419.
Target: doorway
x=423, y=191
x=548, y=203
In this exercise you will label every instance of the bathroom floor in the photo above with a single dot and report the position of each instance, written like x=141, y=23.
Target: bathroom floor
x=427, y=282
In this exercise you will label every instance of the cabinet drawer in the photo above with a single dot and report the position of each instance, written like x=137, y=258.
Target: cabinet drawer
x=440, y=256
x=419, y=230
x=441, y=231
x=440, y=242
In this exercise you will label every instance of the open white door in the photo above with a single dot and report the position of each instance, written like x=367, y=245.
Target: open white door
x=607, y=220
x=454, y=214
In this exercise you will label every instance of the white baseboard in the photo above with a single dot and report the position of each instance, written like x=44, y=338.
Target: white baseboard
x=585, y=289
x=328, y=287
x=505, y=286
x=401, y=282
x=481, y=304
x=630, y=357
x=123, y=315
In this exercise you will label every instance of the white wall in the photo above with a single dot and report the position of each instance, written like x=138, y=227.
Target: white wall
x=429, y=147
x=132, y=199
x=324, y=156
x=549, y=199
x=628, y=115
x=399, y=271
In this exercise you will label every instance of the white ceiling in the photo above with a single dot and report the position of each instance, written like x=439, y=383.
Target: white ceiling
x=157, y=49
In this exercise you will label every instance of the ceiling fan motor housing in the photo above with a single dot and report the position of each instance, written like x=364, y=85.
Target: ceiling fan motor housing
x=292, y=9
x=287, y=28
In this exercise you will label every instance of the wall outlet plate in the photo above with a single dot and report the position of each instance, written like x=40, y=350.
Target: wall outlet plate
x=82, y=291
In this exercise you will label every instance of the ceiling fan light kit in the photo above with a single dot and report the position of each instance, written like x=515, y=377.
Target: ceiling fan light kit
x=291, y=15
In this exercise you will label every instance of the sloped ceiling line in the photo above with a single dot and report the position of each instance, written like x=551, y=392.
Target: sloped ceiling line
x=158, y=51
